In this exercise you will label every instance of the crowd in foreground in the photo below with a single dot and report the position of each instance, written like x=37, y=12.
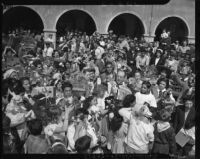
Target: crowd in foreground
x=98, y=95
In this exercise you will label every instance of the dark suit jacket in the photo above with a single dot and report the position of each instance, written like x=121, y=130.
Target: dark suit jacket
x=180, y=118
x=160, y=62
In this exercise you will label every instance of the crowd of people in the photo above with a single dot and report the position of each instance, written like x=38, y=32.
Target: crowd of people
x=98, y=94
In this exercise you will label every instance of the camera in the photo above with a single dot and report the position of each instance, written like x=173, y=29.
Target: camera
x=111, y=103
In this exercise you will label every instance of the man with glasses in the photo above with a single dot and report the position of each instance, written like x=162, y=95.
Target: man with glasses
x=109, y=74
x=119, y=88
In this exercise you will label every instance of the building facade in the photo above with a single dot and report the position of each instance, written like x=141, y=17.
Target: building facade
x=178, y=16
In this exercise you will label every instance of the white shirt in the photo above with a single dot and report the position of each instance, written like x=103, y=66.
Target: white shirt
x=99, y=52
x=156, y=61
x=142, y=98
x=139, y=135
x=70, y=137
x=48, y=52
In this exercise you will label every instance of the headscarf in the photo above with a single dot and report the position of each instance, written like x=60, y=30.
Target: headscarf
x=8, y=73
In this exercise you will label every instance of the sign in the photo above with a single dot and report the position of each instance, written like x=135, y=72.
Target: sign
x=48, y=91
x=182, y=138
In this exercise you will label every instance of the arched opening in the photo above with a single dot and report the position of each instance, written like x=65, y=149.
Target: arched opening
x=19, y=16
x=127, y=24
x=75, y=20
x=177, y=27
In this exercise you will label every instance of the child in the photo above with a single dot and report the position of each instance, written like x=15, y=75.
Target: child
x=164, y=34
x=36, y=143
x=164, y=141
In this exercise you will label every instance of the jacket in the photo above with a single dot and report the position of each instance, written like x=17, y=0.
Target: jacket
x=180, y=118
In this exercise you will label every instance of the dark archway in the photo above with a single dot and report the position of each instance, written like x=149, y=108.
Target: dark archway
x=177, y=27
x=20, y=16
x=75, y=20
x=127, y=24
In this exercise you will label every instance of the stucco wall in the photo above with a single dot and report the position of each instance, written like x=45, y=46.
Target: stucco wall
x=104, y=14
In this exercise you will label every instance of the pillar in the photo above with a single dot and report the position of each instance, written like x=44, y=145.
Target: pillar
x=50, y=34
x=149, y=38
x=191, y=39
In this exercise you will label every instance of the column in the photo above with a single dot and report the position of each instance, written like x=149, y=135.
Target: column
x=50, y=33
x=149, y=38
x=191, y=39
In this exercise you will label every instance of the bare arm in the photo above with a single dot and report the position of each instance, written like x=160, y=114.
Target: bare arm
x=125, y=112
x=66, y=121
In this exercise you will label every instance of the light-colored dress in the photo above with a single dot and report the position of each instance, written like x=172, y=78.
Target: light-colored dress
x=119, y=138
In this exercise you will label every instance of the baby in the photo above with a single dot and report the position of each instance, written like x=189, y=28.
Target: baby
x=164, y=34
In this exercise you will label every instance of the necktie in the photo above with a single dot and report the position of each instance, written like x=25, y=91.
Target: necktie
x=160, y=94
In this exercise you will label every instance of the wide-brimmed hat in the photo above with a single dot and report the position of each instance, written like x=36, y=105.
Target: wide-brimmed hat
x=159, y=50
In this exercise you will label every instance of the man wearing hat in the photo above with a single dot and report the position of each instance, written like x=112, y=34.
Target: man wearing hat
x=157, y=59
x=142, y=60
x=48, y=51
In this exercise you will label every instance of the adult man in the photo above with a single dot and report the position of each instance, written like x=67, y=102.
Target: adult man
x=109, y=74
x=142, y=60
x=93, y=81
x=48, y=51
x=119, y=89
x=157, y=59
x=69, y=98
x=159, y=90
x=124, y=43
x=184, y=48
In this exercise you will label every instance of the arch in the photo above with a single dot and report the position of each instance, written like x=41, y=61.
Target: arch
x=79, y=18
x=130, y=14
x=24, y=15
x=178, y=27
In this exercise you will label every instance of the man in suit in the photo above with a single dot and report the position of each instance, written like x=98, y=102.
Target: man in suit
x=185, y=118
x=157, y=60
x=159, y=91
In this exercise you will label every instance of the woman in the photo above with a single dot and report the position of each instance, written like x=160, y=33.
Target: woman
x=185, y=120
x=145, y=96
x=59, y=92
x=28, y=90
